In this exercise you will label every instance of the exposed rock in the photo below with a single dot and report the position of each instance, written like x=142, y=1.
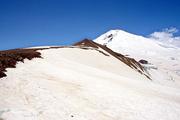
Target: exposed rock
x=9, y=58
x=143, y=61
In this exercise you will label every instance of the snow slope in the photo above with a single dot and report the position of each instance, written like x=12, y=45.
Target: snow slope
x=83, y=84
x=163, y=58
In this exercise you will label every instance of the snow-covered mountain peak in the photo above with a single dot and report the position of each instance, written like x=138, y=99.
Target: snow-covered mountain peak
x=116, y=33
x=164, y=57
x=128, y=43
x=120, y=41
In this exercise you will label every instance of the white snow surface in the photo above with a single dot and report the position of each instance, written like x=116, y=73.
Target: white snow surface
x=77, y=84
x=165, y=57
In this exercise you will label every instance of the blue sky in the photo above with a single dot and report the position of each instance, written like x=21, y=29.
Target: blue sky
x=25, y=23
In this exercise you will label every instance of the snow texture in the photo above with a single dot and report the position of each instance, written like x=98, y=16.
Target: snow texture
x=78, y=84
x=71, y=83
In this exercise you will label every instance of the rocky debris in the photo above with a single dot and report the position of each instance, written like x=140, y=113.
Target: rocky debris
x=143, y=61
x=110, y=36
x=149, y=66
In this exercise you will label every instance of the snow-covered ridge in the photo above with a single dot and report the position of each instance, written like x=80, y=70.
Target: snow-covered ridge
x=9, y=58
x=87, y=81
x=128, y=61
x=60, y=82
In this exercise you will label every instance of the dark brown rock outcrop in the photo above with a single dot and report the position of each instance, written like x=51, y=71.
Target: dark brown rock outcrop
x=9, y=58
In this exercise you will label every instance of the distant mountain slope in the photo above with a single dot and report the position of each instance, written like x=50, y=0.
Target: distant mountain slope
x=162, y=56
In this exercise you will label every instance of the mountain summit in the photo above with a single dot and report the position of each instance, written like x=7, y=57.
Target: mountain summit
x=124, y=42
x=162, y=56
